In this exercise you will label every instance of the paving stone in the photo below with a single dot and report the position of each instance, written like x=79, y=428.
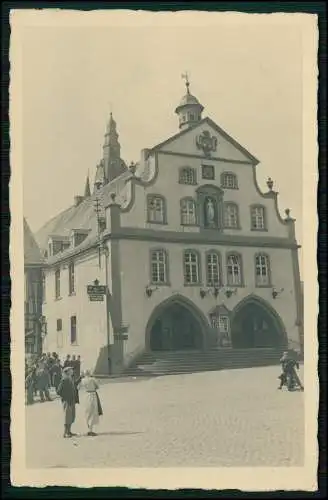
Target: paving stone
x=225, y=418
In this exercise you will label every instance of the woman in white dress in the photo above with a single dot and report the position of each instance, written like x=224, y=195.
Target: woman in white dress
x=92, y=403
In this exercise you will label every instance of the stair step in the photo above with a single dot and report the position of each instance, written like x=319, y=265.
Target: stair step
x=174, y=362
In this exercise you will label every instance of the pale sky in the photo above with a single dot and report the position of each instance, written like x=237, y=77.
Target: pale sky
x=247, y=75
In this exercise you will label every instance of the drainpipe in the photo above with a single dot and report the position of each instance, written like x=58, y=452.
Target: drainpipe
x=107, y=310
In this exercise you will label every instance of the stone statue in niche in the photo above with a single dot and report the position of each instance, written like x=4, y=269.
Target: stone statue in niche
x=210, y=212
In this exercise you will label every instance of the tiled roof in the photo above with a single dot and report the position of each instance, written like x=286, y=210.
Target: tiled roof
x=32, y=253
x=82, y=216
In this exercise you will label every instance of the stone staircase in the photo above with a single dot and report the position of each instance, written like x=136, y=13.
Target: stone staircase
x=174, y=362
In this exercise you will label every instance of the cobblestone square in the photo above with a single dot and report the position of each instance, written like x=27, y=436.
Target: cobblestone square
x=214, y=419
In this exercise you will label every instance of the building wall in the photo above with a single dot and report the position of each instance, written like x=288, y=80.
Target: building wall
x=33, y=308
x=91, y=316
x=167, y=185
x=134, y=257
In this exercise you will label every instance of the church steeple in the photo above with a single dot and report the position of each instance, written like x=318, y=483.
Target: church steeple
x=87, y=191
x=113, y=164
x=189, y=109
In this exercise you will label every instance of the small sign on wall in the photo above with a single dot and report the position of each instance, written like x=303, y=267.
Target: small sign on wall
x=96, y=292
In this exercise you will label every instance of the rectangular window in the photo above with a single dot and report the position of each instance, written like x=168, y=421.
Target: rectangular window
x=156, y=209
x=59, y=333
x=229, y=181
x=71, y=279
x=187, y=176
x=188, y=212
x=262, y=270
x=191, y=270
x=223, y=324
x=208, y=172
x=158, y=267
x=230, y=216
x=57, y=283
x=59, y=325
x=73, y=330
x=212, y=262
x=234, y=270
x=257, y=218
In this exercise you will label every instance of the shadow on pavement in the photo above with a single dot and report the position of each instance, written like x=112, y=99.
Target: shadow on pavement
x=119, y=433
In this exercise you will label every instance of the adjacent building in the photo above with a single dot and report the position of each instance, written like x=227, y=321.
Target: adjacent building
x=33, y=280
x=191, y=253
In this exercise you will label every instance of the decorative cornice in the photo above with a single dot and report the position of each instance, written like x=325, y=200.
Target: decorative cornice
x=207, y=237
x=204, y=158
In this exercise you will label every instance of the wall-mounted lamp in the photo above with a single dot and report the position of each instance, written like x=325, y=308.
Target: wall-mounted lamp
x=150, y=290
x=229, y=292
x=211, y=289
x=276, y=293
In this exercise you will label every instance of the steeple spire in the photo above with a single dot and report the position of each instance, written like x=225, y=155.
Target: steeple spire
x=87, y=192
x=113, y=164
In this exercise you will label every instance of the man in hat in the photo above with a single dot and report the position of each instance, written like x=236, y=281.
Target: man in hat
x=69, y=397
x=289, y=365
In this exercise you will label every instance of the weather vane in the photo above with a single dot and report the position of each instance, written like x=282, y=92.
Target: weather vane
x=185, y=76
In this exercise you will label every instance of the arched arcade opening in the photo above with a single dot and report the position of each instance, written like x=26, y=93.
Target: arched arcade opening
x=255, y=324
x=176, y=325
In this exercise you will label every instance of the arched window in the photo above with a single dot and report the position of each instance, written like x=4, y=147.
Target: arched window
x=213, y=269
x=229, y=180
x=187, y=175
x=158, y=264
x=156, y=209
x=234, y=270
x=258, y=222
x=262, y=270
x=231, y=219
x=188, y=212
x=191, y=267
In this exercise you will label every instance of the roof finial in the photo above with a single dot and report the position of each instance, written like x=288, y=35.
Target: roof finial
x=87, y=191
x=185, y=76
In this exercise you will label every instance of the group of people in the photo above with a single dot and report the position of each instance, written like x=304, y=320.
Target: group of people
x=66, y=378
x=46, y=372
x=289, y=376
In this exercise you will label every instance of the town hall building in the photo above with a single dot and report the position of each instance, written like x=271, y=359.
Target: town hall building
x=179, y=252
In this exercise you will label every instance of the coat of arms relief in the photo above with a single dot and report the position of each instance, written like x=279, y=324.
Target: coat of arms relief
x=206, y=142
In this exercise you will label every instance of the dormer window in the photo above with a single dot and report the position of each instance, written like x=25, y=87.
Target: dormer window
x=58, y=244
x=187, y=175
x=78, y=236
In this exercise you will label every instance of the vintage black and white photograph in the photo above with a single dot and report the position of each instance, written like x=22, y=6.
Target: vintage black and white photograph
x=166, y=207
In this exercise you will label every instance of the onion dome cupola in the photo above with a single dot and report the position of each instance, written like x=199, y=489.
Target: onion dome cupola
x=189, y=109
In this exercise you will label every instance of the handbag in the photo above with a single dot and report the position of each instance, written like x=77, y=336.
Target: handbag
x=100, y=411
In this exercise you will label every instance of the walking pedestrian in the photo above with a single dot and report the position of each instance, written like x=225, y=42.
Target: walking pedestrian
x=67, y=361
x=43, y=382
x=68, y=393
x=29, y=386
x=56, y=374
x=92, y=404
